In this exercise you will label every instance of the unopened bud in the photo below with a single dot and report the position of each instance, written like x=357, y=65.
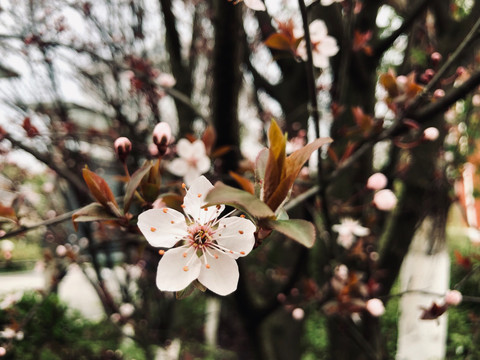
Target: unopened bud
x=375, y=307
x=431, y=134
x=427, y=75
x=161, y=137
x=122, y=146
x=453, y=297
x=436, y=57
x=439, y=93
x=377, y=181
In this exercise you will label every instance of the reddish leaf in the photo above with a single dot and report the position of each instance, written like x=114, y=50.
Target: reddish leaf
x=433, y=312
x=31, y=130
x=7, y=213
x=389, y=82
x=463, y=261
x=133, y=184
x=209, y=137
x=98, y=188
x=245, y=184
x=279, y=41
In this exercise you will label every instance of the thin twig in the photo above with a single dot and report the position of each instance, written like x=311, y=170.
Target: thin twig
x=314, y=113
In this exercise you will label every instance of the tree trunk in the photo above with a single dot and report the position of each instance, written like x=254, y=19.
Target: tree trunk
x=425, y=268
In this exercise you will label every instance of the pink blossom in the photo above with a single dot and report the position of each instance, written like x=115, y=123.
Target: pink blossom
x=377, y=181
x=3, y=351
x=385, y=200
x=375, y=307
x=61, y=250
x=453, y=297
x=431, y=133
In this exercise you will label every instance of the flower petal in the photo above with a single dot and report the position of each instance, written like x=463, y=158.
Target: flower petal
x=203, y=164
x=222, y=275
x=195, y=199
x=162, y=227
x=198, y=148
x=177, y=269
x=236, y=234
x=318, y=30
x=256, y=5
x=185, y=149
x=178, y=167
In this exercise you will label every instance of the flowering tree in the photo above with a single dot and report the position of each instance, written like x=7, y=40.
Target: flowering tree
x=366, y=112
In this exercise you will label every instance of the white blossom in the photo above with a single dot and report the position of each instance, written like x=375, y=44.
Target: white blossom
x=203, y=246
x=347, y=230
x=192, y=161
x=323, y=45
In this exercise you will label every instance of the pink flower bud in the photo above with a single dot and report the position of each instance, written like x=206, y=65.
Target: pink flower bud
x=298, y=314
x=436, y=57
x=166, y=80
x=375, y=307
x=161, y=137
x=3, y=351
x=122, y=146
x=61, y=250
x=431, y=134
x=385, y=200
x=453, y=297
x=377, y=181
x=439, y=93
x=475, y=100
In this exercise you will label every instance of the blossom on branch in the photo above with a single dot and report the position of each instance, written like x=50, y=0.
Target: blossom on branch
x=323, y=45
x=203, y=246
x=192, y=162
x=347, y=230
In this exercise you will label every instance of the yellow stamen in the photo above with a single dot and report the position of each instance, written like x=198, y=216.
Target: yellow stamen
x=199, y=195
x=242, y=252
x=240, y=232
x=185, y=268
x=165, y=210
x=152, y=229
x=207, y=266
x=161, y=252
x=184, y=254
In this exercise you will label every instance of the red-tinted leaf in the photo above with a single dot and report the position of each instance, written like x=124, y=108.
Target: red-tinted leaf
x=98, y=187
x=31, y=130
x=133, y=184
x=433, y=312
x=275, y=169
x=245, y=184
x=7, y=213
x=463, y=261
x=209, y=137
x=279, y=41
x=389, y=82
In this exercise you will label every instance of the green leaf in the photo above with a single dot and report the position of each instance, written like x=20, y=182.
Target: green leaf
x=242, y=200
x=92, y=212
x=133, y=184
x=301, y=231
